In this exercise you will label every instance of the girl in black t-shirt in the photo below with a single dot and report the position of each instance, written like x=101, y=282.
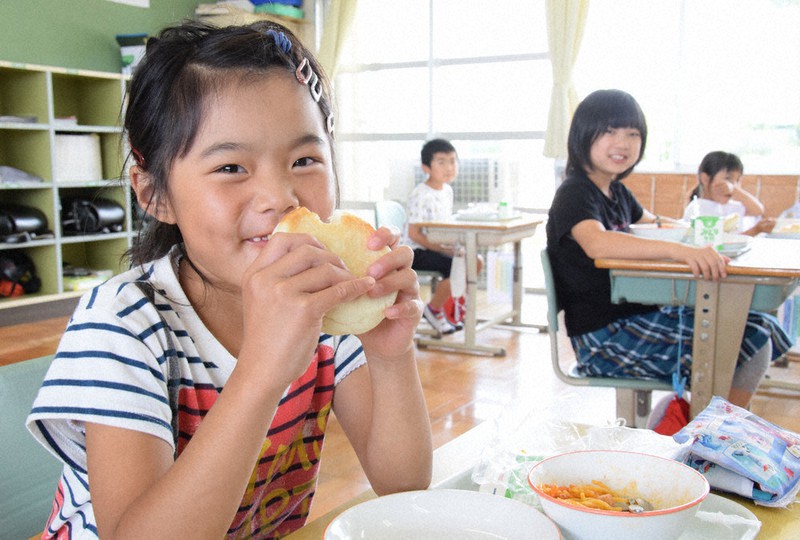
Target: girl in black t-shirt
x=590, y=218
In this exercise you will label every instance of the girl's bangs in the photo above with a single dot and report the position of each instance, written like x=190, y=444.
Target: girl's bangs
x=627, y=119
x=625, y=113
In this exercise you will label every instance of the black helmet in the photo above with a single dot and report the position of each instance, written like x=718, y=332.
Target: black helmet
x=17, y=274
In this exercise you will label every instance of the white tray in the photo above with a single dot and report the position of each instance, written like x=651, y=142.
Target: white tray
x=734, y=513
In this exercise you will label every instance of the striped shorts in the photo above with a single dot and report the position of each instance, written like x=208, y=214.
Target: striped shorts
x=647, y=346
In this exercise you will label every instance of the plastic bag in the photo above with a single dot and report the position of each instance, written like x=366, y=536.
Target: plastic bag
x=455, y=305
x=458, y=273
x=522, y=439
x=742, y=453
x=518, y=442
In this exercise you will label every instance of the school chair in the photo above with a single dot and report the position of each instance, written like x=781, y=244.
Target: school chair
x=29, y=473
x=393, y=213
x=633, y=395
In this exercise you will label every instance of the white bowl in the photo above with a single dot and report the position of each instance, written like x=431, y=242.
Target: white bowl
x=673, y=232
x=675, y=490
x=439, y=514
x=732, y=242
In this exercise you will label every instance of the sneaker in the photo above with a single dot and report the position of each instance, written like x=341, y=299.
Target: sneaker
x=437, y=320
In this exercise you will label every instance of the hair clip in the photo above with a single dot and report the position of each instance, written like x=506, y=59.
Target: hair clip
x=281, y=40
x=316, y=88
x=329, y=121
x=305, y=75
x=304, y=72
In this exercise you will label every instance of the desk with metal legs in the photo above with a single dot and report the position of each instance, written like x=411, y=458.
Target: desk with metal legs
x=760, y=280
x=472, y=235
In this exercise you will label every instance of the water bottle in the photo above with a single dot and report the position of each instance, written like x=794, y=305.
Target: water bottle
x=504, y=211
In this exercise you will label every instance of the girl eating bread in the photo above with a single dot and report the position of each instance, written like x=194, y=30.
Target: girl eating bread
x=190, y=395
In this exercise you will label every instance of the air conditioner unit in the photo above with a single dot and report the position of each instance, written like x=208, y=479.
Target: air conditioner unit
x=479, y=180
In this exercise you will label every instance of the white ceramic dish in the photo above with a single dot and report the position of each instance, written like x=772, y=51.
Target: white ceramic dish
x=673, y=232
x=477, y=213
x=733, y=253
x=486, y=217
x=734, y=245
x=784, y=235
x=786, y=228
x=674, y=489
x=727, y=519
x=440, y=514
x=732, y=242
x=483, y=214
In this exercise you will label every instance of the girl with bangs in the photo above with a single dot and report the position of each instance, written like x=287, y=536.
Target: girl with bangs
x=590, y=218
x=190, y=395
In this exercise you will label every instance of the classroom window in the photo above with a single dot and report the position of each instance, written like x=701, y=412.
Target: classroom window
x=711, y=75
x=718, y=74
x=475, y=73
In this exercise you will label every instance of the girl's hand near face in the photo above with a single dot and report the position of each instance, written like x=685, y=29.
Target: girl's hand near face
x=285, y=293
x=721, y=190
x=392, y=272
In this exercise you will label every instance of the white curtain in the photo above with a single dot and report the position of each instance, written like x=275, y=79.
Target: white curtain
x=339, y=17
x=566, y=20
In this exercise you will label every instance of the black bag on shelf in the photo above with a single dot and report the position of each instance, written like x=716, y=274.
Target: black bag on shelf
x=17, y=274
x=20, y=223
x=91, y=216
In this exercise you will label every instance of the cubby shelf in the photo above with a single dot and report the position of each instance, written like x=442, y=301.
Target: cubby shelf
x=34, y=101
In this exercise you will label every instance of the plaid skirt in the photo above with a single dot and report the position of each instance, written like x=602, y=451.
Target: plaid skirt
x=647, y=346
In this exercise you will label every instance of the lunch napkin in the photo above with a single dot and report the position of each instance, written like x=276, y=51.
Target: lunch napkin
x=742, y=453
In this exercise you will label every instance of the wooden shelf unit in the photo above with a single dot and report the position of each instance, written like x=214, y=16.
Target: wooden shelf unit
x=95, y=101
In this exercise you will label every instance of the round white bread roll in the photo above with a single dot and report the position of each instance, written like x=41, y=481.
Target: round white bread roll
x=345, y=235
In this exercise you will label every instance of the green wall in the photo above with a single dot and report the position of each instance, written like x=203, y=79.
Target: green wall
x=79, y=33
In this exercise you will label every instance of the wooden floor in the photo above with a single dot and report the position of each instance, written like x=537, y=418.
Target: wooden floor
x=461, y=392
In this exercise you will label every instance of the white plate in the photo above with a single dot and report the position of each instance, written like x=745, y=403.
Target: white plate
x=486, y=217
x=734, y=252
x=784, y=235
x=786, y=228
x=438, y=514
x=483, y=214
x=733, y=242
x=477, y=216
x=734, y=523
x=670, y=232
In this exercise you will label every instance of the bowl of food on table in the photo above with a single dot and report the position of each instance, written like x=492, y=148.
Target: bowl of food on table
x=786, y=228
x=618, y=494
x=673, y=231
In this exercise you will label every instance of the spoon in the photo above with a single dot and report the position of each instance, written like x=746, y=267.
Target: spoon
x=634, y=505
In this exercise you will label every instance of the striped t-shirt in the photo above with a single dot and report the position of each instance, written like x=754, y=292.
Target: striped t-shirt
x=128, y=361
